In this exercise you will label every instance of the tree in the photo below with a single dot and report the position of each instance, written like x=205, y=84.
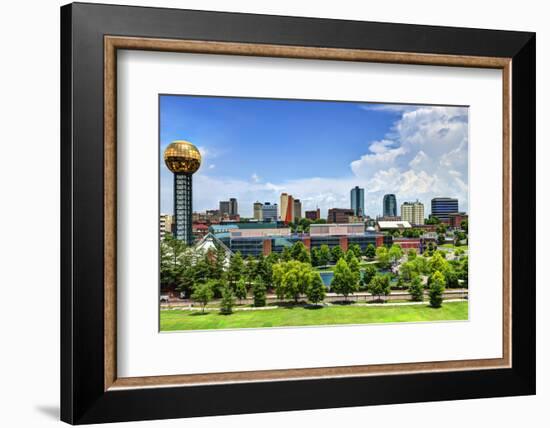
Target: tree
x=263, y=269
x=300, y=252
x=400, y=283
x=176, y=262
x=383, y=257
x=286, y=255
x=370, y=251
x=240, y=290
x=451, y=278
x=437, y=263
x=416, y=289
x=336, y=253
x=203, y=294
x=356, y=250
x=408, y=270
x=250, y=268
x=354, y=266
x=236, y=268
x=464, y=225
x=316, y=290
x=324, y=255
x=464, y=271
x=228, y=300
x=411, y=254
x=315, y=257
x=437, y=287
x=440, y=239
x=379, y=286
x=395, y=253
x=344, y=282
x=259, y=292
x=368, y=273
x=432, y=220
x=296, y=280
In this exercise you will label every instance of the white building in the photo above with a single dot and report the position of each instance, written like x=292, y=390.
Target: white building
x=413, y=212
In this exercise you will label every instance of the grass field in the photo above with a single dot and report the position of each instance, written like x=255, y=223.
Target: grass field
x=173, y=320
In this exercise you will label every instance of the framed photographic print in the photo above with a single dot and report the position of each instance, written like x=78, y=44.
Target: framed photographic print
x=266, y=213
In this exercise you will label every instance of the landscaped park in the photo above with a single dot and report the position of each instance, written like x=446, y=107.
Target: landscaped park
x=299, y=287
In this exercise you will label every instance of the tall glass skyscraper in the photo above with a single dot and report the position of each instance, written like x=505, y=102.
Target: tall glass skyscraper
x=442, y=207
x=357, y=196
x=389, y=205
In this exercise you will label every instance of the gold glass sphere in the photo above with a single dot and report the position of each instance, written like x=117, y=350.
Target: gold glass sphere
x=182, y=157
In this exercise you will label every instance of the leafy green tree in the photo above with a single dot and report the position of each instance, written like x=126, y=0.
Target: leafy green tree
x=286, y=255
x=300, y=253
x=440, y=239
x=354, y=266
x=437, y=263
x=336, y=254
x=324, y=255
x=437, y=287
x=432, y=220
x=356, y=250
x=395, y=253
x=250, y=268
x=236, y=269
x=203, y=294
x=411, y=254
x=263, y=269
x=296, y=280
x=240, y=290
x=368, y=273
x=379, y=286
x=259, y=292
x=314, y=257
x=316, y=290
x=370, y=251
x=173, y=261
x=451, y=278
x=416, y=289
x=464, y=272
x=400, y=283
x=464, y=225
x=421, y=265
x=383, y=257
x=344, y=282
x=228, y=300
x=408, y=270
x=441, y=229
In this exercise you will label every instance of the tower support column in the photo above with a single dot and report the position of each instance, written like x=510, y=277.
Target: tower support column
x=183, y=207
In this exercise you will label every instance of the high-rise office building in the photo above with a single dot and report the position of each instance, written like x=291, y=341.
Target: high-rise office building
x=287, y=208
x=183, y=159
x=229, y=207
x=389, y=205
x=224, y=208
x=233, y=207
x=413, y=212
x=297, y=209
x=442, y=207
x=357, y=197
x=258, y=210
x=269, y=212
x=339, y=215
x=313, y=214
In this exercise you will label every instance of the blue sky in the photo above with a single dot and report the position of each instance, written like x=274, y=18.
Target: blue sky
x=254, y=149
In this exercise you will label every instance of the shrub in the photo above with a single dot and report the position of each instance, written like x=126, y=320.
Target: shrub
x=416, y=289
x=437, y=286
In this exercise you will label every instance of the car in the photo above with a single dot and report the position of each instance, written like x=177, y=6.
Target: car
x=164, y=298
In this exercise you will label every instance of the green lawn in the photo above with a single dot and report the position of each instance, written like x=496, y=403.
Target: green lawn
x=172, y=320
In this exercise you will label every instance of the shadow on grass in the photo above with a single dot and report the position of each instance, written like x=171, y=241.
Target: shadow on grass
x=197, y=314
x=313, y=307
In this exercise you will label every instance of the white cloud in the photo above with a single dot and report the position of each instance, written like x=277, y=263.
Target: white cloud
x=423, y=156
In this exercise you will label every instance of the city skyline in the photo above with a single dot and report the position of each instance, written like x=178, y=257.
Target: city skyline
x=254, y=150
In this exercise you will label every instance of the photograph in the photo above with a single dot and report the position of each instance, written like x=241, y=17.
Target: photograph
x=293, y=213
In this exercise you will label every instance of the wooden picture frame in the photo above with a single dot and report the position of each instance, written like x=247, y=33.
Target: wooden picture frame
x=91, y=390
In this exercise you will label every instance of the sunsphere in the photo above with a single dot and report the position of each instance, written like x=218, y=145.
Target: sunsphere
x=182, y=157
